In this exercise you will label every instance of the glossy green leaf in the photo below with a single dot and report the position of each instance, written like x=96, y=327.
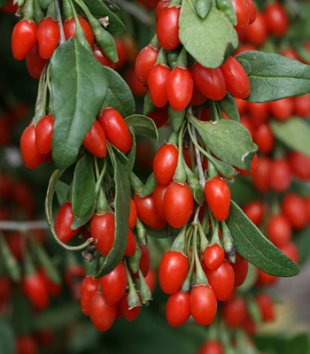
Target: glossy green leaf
x=243, y=191
x=215, y=32
x=3, y=3
x=229, y=106
x=256, y=248
x=9, y=261
x=62, y=190
x=176, y=118
x=294, y=133
x=99, y=9
x=83, y=188
x=142, y=125
x=302, y=240
x=228, y=140
x=203, y=7
x=149, y=186
x=273, y=76
x=74, y=70
x=7, y=338
x=119, y=95
x=121, y=209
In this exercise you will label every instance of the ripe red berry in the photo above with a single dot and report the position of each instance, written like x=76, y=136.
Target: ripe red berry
x=242, y=11
x=178, y=204
x=63, y=222
x=129, y=314
x=167, y=28
x=114, y=284
x=254, y=211
x=237, y=81
x=264, y=138
x=241, y=267
x=217, y=195
x=222, y=281
x=158, y=197
x=30, y=155
x=44, y=134
x=102, y=313
x=210, y=82
x=178, y=308
x=203, y=304
x=89, y=289
x=48, y=36
x=213, y=256
x=116, y=129
x=147, y=212
x=266, y=307
x=157, y=83
x=282, y=109
x=102, y=229
x=146, y=59
x=257, y=33
x=24, y=37
x=70, y=31
x=173, y=270
x=279, y=175
x=293, y=208
x=95, y=140
x=235, y=312
x=35, y=290
x=180, y=87
x=165, y=163
x=276, y=19
x=211, y=347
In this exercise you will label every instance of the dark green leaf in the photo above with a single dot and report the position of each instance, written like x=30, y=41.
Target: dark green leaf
x=302, y=240
x=273, y=76
x=176, y=118
x=148, y=105
x=149, y=186
x=3, y=3
x=119, y=95
x=164, y=233
x=46, y=262
x=57, y=317
x=301, y=187
x=100, y=9
x=229, y=106
x=79, y=86
x=208, y=40
x=7, y=338
x=298, y=345
x=203, y=7
x=121, y=209
x=9, y=261
x=256, y=248
x=83, y=188
x=45, y=3
x=62, y=192
x=142, y=125
x=223, y=168
x=243, y=191
x=228, y=140
x=227, y=8
x=294, y=133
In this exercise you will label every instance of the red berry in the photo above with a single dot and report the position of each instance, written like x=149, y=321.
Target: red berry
x=114, y=284
x=63, y=222
x=213, y=256
x=203, y=304
x=102, y=313
x=178, y=204
x=178, y=308
x=165, y=163
x=293, y=208
x=70, y=31
x=157, y=83
x=211, y=347
x=89, y=289
x=241, y=267
x=282, y=109
x=254, y=211
x=44, y=134
x=24, y=37
x=95, y=140
x=266, y=307
x=102, y=229
x=167, y=28
x=36, y=291
x=147, y=212
x=279, y=175
x=30, y=155
x=146, y=59
x=276, y=19
x=235, y=312
x=217, y=195
x=48, y=36
x=264, y=138
x=173, y=270
x=129, y=314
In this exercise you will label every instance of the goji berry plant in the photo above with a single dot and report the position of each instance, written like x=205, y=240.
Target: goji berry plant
x=215, y=207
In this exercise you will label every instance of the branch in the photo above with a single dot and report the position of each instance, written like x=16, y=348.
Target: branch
x=23, y=225
x=135, y=11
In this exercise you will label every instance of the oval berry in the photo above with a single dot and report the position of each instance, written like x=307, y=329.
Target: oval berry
x=178, y=308
x=203, y=304
x=165, y=163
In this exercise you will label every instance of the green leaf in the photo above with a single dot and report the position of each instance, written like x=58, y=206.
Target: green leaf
x=243, y=191
x=79, y=86
x=210, y=40
x=299, y=344
x=7, y=338
x=119, y=95
x=228, y=140
x=203, y=7
x=99, y=9
x=62, y=190
x=9, y=261
x=302, y=240
x=149, y=186
x=294, y=133
x=273, y=76
x=142, y=125
x=229, y=106
x=121, y=209
x=56, y=318
x=83, y=189
x=176, y=118
x=2, y=4
x=256, y=248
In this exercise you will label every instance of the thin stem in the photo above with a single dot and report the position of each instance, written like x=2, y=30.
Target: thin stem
x=135, y=11
x=198, y=158
x=59, y=20
x=23, y=225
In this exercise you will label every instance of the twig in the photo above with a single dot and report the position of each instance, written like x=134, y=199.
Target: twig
x=135, y=11
x=202, y=178
x=59, y=20
x=23, y=225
